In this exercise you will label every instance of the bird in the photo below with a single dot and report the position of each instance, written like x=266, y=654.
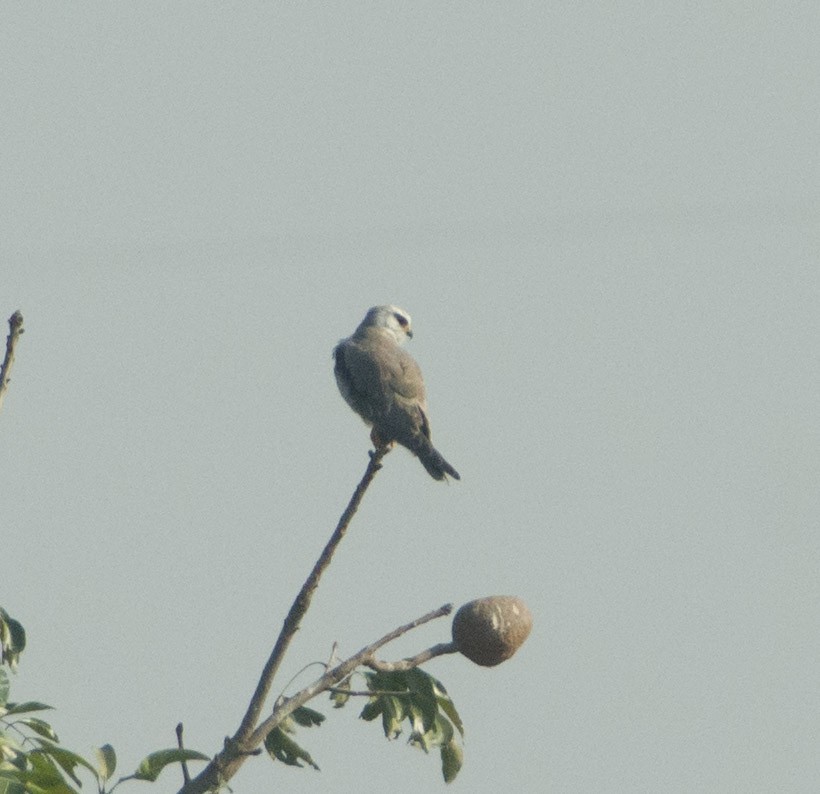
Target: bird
x=383, y=384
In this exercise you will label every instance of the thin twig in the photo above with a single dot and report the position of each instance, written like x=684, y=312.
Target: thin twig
x=366, y=693
x=15, y=329
x=186, y=777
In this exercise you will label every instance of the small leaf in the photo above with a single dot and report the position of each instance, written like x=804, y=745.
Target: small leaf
x=153, y=764
x=281, y=747
x=5, y=688
x=393, y=715
x=442, y=731
x=24, y=708
x=17, y=634
x=10, y=783
x=419, y=734
x=371, y=710
x=40, y=727
x=339, y=696
x=5, y=631
x=307, y=717
x=44, y=776
x=439, y=734
x=106, y=762
x=448, y=707
x=66, y=759
x=424, y=696
x=452, y=758
x=12, y=639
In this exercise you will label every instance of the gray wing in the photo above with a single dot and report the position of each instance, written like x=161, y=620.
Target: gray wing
x=378, y=378
x=383, y=384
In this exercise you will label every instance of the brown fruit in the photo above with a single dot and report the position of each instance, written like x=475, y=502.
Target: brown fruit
x=490, y=630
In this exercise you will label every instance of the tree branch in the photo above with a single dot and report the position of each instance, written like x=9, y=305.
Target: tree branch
x=339, y=673
x=15, y=329
x=226, y=764
x=246, y=739
x=302, y=601
x=412, y=661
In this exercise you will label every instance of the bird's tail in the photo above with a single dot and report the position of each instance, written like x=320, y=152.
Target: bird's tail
x=433, y=461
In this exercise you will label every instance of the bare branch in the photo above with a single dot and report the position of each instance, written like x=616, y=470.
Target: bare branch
x=15, y=329
x=412, y=661
x=217, y=771
x=186, y=777
x=302, y=601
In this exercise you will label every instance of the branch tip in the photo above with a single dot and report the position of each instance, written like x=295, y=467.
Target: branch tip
x=15, y=330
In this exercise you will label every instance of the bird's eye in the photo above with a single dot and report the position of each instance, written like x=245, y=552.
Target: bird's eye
x=401, y=319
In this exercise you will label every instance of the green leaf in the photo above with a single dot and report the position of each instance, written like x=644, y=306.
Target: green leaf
x=371, y=710
x=452, y=758
x=12, y=639
x=65, y=759
x=339, y=696
x=5, y=688
x=423, y=696
x=18, y=636
x=44, y=776
x=12, y=767
x=442, y=731
x=9, y=785
x=439, y=734
x=281, y=747
x=448, y=707
x=433, y=717
x=418, y=736
x=153, y=764
x=307, y=717
x=393, y=714
x=106, y=762
x=23, y=708
x=40, y=727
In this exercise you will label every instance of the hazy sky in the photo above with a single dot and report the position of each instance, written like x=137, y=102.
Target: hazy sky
x=603, y=219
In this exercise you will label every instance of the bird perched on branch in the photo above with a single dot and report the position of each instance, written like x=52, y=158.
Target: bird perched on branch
x=383, y=384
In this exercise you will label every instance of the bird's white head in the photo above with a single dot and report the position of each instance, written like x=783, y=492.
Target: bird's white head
x=392, y=319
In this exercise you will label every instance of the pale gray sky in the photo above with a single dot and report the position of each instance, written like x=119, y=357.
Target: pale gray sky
x=604, y=221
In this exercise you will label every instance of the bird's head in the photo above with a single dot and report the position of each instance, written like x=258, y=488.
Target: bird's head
x=390, y=318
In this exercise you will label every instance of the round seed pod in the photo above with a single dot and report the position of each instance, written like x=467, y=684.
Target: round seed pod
x=490, y=630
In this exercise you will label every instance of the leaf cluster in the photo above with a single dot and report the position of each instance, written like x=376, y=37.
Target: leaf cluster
x=32, y=761
x=280, y=744
x=396, y=696
x=12, y=639
x=422, y=701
